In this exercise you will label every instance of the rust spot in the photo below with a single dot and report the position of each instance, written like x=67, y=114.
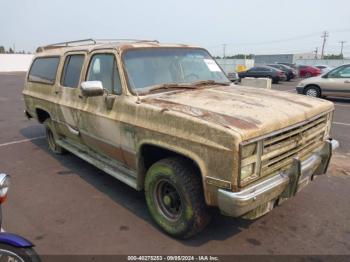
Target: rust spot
x=112, y=151
x=221, y=119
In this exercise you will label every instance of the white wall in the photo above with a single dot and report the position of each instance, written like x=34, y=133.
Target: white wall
x=329, y=62
x=15, y=62
x=230, y=65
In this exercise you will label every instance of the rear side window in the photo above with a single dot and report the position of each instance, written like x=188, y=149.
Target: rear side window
x=44, y=70
x=72, y=70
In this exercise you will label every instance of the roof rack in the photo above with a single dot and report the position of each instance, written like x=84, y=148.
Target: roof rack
x=90, y=41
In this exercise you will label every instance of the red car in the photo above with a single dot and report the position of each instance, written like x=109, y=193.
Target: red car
x=308, y=71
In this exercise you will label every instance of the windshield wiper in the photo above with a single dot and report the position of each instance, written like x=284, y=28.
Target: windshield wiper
x=171, y=85
x=209, y=82
x=193, y=85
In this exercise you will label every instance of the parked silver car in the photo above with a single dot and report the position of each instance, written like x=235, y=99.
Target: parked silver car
x=324, y=68
x=334, y=83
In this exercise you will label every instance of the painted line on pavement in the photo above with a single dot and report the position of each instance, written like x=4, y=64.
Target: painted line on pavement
x=341, y=105
x=342, y=124
x=21, y=141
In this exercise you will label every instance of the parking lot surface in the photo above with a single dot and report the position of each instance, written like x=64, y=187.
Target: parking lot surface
x=66, y=206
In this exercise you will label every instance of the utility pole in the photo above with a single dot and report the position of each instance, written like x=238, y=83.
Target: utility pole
x=224, y=50
x=316, y=52
x=324, y=36
x=341, y=47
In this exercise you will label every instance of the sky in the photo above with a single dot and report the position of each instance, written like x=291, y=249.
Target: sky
x=245, y=26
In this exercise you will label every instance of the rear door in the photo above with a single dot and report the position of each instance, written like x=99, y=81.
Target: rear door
x=265, y=72
x=68, y=95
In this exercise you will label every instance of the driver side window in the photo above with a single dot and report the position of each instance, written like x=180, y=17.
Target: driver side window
x=343, y=72
x=103, y=67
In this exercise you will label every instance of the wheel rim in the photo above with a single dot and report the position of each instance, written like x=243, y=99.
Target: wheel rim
x=6, y=255
x=168, y=200
x=312, y=92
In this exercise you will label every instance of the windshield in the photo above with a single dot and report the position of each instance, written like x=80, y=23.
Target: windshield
x=147, y=68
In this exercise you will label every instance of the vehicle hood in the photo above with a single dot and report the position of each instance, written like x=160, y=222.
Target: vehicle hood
x=314, y=79
x=249, y=111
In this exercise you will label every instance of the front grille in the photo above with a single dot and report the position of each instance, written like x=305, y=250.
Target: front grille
x=280, y=149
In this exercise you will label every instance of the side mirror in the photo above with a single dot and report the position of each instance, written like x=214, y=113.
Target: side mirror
x=92, y=88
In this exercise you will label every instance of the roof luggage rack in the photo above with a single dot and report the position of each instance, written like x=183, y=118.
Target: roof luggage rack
x=90, y=41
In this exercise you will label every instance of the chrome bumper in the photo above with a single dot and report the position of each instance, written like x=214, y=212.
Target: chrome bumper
x=281, y=186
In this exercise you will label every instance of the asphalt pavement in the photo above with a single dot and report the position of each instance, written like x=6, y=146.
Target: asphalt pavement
x=67, y=206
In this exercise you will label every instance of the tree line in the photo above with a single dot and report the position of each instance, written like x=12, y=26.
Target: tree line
x=3, y=50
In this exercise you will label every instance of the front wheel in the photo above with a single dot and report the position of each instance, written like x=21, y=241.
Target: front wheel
x=313, y=91
x=175, y=199
x=16, y=254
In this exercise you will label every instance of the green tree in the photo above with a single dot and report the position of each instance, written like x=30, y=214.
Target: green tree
x=332, y=56
x=2, y=49
x=11, y=51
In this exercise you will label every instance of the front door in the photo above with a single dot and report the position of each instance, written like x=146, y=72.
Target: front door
x=99, y=126
x=338, y=82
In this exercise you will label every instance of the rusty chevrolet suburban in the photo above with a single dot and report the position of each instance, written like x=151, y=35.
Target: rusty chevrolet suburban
x=165, y=119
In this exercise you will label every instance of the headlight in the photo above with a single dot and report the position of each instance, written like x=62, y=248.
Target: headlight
x=250, y=162
x=247, y=171
x=4, y=186
x=248, y=150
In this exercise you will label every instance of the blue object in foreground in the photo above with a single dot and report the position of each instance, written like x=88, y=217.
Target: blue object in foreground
x=14, y=240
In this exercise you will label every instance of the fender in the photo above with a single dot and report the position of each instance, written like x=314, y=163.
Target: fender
x=14, y=240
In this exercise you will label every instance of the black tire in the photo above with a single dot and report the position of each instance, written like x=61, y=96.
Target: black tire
x=175, y=199
x=313, y=91
x=21, y=254
x=51, y=138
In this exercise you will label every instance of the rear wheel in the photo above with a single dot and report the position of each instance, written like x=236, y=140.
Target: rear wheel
x=51, y=138
x=175, y=199
x=313, y=91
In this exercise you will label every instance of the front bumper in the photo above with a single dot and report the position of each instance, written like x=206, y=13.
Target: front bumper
x=300, y=90
x=259, y=199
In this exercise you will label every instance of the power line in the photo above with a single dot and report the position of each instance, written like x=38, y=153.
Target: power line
x=283, y=39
